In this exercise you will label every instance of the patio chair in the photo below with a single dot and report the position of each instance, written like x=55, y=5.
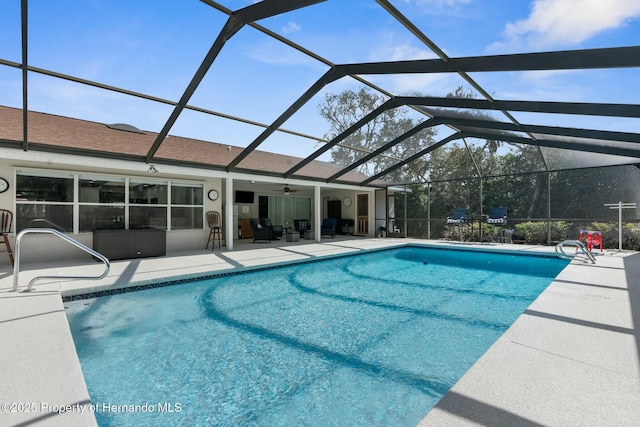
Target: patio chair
x=328, y=227
x=6, y=219
x=260, y=232
x=593, y=238
x=301, y=225
x=458, y=219
x=498, y=218
x=276, y=230
x=215, y=229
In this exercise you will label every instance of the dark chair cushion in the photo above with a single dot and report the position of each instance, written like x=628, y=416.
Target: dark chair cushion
x=329, y=227
x=260, y=232
x=498, y=216
x=459, y=216
x=301, y=225
x=276, y=230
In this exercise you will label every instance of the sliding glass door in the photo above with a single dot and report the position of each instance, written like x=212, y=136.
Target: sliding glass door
x=284, y=209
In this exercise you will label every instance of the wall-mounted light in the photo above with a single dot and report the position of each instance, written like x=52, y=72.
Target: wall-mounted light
x=286, y=190
x=152, y=169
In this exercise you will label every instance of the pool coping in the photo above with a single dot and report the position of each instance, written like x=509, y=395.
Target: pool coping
x=572, y=358
x=42, y=346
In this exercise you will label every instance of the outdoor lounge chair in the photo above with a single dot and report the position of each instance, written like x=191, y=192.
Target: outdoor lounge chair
x=328, y=227
x=301, y=225
x=260, y=232
x=498, y=218
x=458, y=218
x=276, y=230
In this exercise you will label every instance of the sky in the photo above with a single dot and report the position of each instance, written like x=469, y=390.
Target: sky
x=155, y=47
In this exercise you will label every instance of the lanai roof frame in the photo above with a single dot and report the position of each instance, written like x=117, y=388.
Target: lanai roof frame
x=556, y=60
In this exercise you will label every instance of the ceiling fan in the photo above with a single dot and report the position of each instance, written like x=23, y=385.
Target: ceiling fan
x=286, y=190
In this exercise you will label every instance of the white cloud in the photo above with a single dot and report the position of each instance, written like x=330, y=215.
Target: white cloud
x=554, y=23
x=291, y=27
x=425, y=84
x=387, y=47
x=407, y=52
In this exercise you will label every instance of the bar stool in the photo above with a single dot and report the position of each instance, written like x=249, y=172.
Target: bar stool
x=6, y=219
x=215, y=229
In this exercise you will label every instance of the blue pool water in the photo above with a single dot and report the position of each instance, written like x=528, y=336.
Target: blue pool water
x=373, y=339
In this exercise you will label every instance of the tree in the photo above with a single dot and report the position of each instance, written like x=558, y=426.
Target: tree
x=346, y=108
x=514, y=175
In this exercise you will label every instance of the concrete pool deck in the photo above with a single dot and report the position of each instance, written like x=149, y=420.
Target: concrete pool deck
x=572, y=358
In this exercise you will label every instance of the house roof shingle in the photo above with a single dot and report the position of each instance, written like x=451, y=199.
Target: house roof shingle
x=50, y=132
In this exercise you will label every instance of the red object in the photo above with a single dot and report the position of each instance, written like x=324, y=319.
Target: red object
x=594, y=238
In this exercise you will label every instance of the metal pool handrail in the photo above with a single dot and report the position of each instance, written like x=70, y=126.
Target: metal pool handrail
x=579, y=246
x=16, y=266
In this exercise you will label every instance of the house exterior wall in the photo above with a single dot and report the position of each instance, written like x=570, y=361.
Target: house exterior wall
x=45, y=248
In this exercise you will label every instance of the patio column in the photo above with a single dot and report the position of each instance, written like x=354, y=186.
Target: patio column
x=317, y=207
x=228, y=214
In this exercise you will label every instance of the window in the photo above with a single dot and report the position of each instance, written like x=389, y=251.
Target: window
x=101, y=190
x=187, y=208
x=84, y=203
x=44, y=188
x=147, y=193
x=148, y=201
x=44, y=201
x=101, y=203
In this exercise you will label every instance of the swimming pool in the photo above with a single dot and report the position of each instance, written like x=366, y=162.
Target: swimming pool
x=373, y=339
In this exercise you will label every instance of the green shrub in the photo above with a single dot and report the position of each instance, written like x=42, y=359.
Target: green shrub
x=631, y=236
x=535, y=232
x=560, y=230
